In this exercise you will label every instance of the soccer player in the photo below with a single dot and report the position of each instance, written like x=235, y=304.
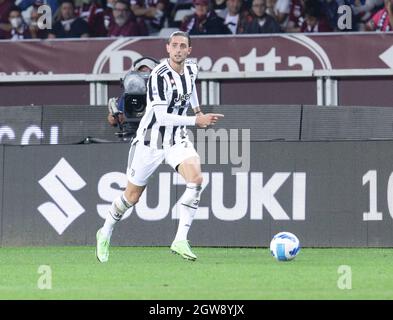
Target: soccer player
x=162, y=135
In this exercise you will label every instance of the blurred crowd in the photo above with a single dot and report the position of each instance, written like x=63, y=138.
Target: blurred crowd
x=19, y=19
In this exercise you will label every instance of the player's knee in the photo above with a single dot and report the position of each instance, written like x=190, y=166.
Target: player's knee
x=132, y=196
x=197, y=179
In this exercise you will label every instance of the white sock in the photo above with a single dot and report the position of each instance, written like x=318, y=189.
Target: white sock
x=119, y=206
x=187, y=210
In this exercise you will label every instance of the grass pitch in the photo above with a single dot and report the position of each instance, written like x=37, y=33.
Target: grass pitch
x=219, y=273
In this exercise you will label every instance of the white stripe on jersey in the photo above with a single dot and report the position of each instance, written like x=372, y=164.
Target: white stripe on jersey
x=177, y=92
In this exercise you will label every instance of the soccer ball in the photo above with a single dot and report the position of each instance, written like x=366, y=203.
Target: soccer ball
x=284, y=246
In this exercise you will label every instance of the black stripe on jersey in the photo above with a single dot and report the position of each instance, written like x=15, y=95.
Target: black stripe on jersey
x=160, y=139
x=161, y=69
x=184, y=85
x=162, y=72
x=148, y=130
x=182, y=108
x=160, y=87
x=150, y=90
x=173, y=135
x=183, y=129
x=180, y=112
x=189, y=70
x=174, y=93
x=191, y=73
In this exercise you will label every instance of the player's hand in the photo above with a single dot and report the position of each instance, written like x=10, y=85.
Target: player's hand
x=208, y=119
x=113, y=121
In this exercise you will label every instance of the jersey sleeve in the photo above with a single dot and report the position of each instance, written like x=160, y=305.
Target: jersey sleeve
x=194, y=101
x=166, y=119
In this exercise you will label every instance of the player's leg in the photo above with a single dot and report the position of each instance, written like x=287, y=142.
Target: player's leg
x=119, y=206
x=142, y=162
x=190, y=170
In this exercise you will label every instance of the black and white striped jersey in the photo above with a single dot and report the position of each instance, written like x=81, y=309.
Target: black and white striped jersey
x=169, y=95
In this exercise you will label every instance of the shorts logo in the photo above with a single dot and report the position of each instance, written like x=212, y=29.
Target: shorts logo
x=132, y=172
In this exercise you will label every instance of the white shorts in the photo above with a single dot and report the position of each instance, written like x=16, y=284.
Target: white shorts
x=144, y=160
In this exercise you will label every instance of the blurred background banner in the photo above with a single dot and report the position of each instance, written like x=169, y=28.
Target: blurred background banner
x=85, y=124
x=240, y=53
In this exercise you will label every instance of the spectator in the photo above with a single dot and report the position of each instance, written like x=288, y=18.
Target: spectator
x=295, y=16
x=279, y=9
x=231, y=15
x=5, y=27
x=5, y=6
x=19, y=29
x=219, y=5
x=204, y=21
x=314, y=20
x=68, y=25
x=92, y=12
x=178, y=11
x=362, y=11
x=124, y=22
x=330, y=10
x=36, y=32
x=258, y=21
x=53, y=4
x=383, y=19
x=108, y=13
x=154, y=12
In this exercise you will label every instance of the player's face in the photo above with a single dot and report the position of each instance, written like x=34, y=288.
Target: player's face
x=178, y=49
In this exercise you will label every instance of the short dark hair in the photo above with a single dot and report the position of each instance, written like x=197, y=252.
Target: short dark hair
x=312, y=9
x=181, y=34
x=67, y=1
x=125, y=2
x=15, y=8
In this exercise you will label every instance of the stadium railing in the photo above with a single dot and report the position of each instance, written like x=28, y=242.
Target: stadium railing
x=326, y=82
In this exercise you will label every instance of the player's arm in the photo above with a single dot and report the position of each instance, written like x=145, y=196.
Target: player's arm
x=195, y=103
x=197, y=111
x=160, y=106
x=166, y=119
x=157, y=88
x=203, y=120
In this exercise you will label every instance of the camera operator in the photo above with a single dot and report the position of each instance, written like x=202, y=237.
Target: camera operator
x=127, y=110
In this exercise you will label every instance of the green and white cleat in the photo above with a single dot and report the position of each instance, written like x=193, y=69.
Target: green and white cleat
x=183, y=248
x=102, y=250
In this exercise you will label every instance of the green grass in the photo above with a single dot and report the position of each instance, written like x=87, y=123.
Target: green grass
x=219, y=273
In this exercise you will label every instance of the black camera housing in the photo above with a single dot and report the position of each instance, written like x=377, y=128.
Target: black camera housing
x=134, y=109
x=134, y=105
